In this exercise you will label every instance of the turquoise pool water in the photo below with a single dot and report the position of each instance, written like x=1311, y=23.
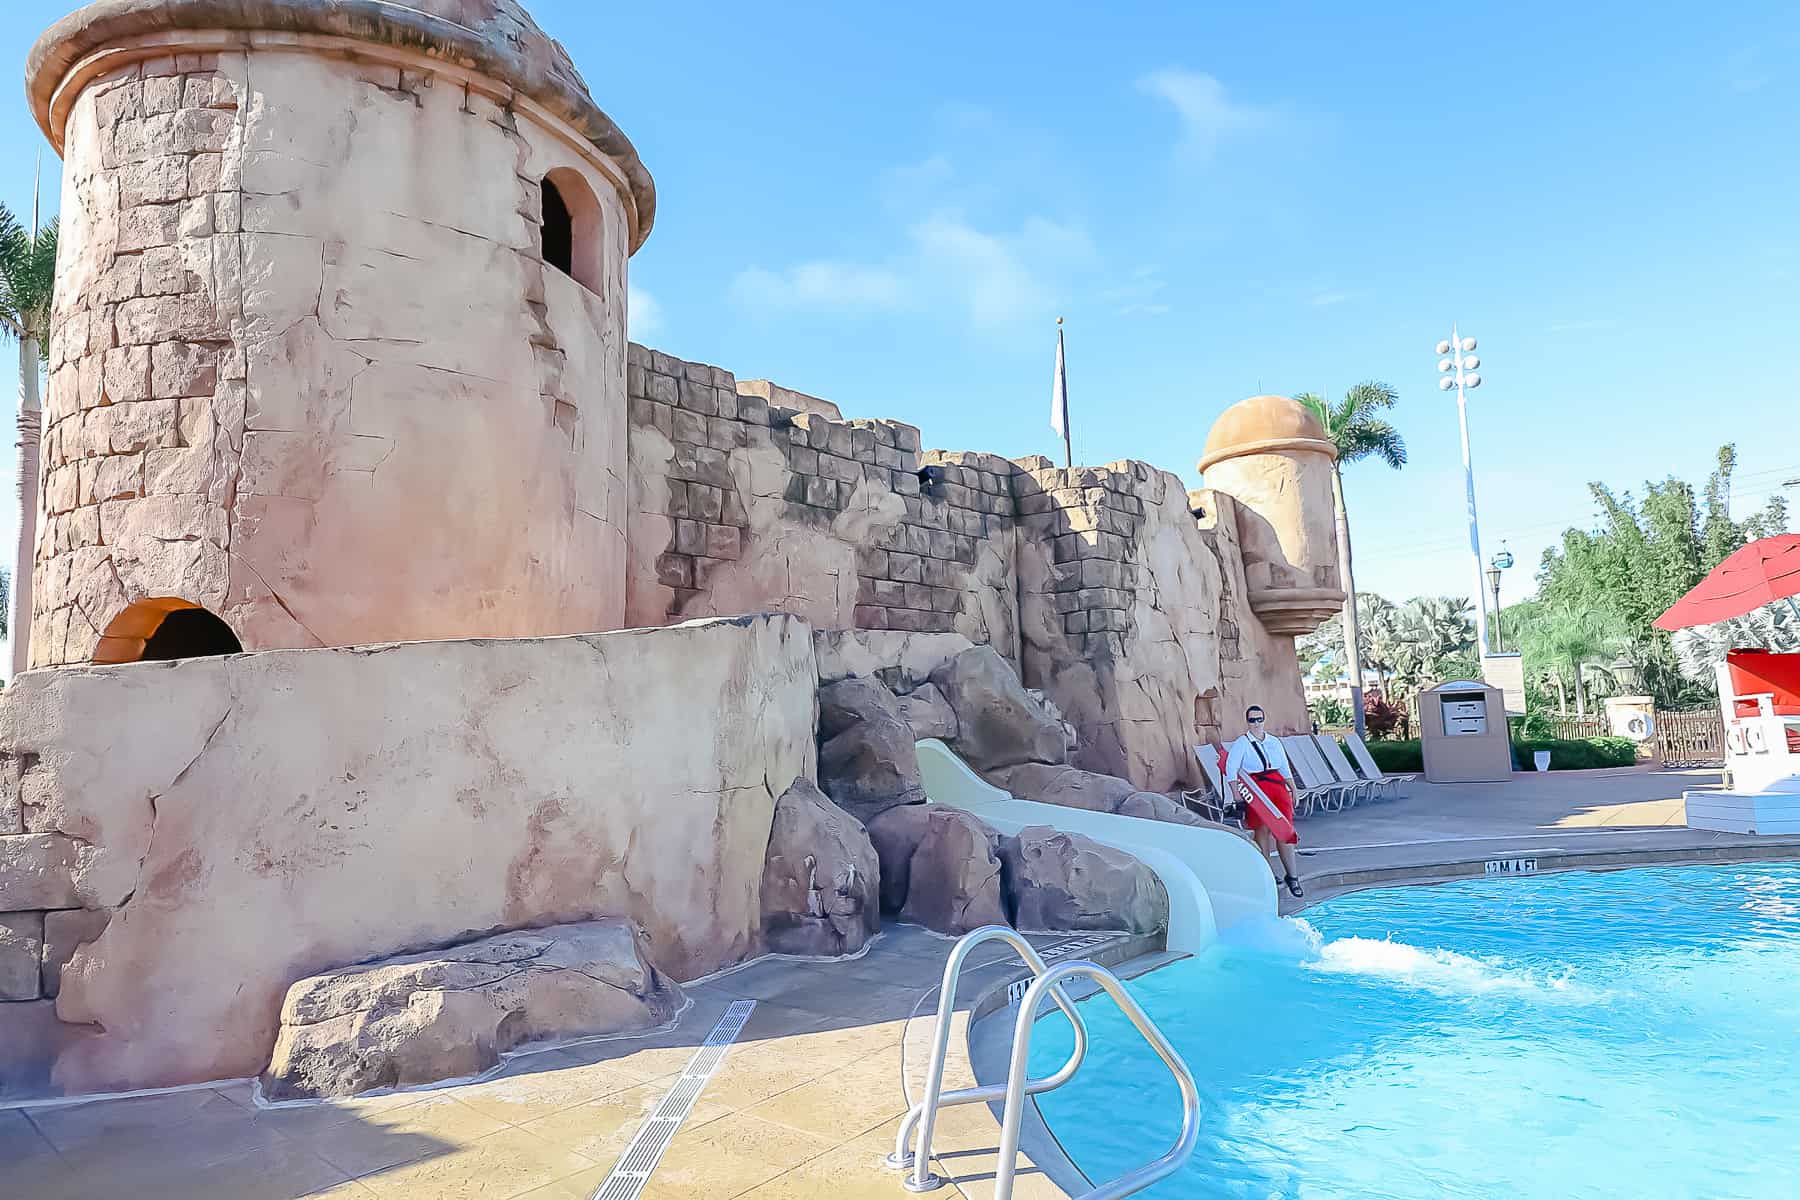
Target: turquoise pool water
x=1625, y=1034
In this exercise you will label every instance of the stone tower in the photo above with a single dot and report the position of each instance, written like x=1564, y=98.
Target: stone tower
x=339, y=350
x=1272, y=455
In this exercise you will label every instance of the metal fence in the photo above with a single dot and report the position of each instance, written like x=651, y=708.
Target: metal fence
x=1691, y=738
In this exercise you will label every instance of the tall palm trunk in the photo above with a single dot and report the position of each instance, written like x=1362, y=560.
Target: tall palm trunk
x=1580, y=693
x=1562, y=696
x=1352, y=634
x=19, y=620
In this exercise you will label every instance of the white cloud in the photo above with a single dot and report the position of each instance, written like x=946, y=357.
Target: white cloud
x=821, y=284
x=645, y=315
x=993, y=278
x=1208, y=115
x=1327, y=299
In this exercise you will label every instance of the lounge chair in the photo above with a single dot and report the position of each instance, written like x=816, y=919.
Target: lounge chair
x=1310, y=773
x=1333, y=754
x=1212, y=804
x=1210, y=756
x=1365, y=763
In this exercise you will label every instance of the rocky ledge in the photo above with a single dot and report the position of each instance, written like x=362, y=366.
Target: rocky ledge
x=450, y=1013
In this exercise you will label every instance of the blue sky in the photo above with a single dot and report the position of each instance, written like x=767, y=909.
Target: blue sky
x=889, y=206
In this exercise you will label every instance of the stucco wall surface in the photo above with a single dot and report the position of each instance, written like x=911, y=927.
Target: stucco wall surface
x=244, y=822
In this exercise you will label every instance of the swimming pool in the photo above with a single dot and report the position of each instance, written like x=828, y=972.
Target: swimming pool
x=1632, y=1033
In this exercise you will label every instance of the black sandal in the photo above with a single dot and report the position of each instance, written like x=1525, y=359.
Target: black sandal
x=1294, y=888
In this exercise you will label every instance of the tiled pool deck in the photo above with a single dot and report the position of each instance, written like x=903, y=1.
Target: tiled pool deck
x=806, y=1105
x=807, y=1102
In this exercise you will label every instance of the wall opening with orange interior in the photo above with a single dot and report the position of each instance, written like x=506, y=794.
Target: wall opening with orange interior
x=162, y=629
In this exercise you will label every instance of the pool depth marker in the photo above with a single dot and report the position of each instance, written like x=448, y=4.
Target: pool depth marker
x=646, y=1150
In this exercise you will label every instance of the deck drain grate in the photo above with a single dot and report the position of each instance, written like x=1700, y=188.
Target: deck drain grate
x=646, y=1150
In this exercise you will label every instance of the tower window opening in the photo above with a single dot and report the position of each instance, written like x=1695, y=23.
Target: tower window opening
x=559, y=231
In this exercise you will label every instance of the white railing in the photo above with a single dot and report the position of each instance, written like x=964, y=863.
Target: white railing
x=922, y=1117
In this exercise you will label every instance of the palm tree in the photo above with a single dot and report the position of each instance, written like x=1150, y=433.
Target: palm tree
x=27, y=283
x=1568, y=639
x=1354, y=428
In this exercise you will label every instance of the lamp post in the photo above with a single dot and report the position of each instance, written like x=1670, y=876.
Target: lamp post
x=1457, y=366
x=1501, y=560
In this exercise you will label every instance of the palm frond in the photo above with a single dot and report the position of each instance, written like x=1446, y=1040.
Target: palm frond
x=1369, y=437
x=27, y=276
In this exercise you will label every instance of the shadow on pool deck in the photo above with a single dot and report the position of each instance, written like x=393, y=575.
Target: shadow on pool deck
x=806, y=1104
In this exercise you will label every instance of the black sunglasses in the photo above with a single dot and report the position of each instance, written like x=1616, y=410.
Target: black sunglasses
x=1256, y=720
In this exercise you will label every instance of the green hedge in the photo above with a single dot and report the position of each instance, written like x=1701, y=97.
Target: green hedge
x=1582, y=754
x=1579, y=754
x=1397, y=757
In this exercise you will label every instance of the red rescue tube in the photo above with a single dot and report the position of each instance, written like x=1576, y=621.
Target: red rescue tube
x=1270, y=805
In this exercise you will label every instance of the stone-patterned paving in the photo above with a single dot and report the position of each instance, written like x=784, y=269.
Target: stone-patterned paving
x=806, y=1105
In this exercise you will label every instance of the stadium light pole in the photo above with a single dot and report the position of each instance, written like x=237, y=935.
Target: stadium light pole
x=1457, y=366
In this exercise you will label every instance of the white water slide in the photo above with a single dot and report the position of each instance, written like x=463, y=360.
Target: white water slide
x=1214, y=877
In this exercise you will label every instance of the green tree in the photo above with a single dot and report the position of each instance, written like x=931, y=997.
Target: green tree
x=1642, y=556
x=1571, y=642
x=27, y=284
x=1355, y=427
x=1432, y=640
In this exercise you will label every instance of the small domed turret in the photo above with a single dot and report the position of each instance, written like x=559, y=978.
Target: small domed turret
x=1273, y=456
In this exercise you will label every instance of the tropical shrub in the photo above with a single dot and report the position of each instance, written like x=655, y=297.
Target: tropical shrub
x=1579, y=754
x=1379, y=717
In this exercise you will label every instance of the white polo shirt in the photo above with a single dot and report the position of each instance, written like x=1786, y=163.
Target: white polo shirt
x=1242, y=759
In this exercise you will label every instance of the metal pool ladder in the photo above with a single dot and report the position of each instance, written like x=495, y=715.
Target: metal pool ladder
x=923, y=1116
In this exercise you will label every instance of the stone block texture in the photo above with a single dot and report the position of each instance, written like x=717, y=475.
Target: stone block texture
x=1111, y=589
x=318, y=380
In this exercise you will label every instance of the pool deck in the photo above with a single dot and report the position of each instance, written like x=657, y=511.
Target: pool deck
x=1563, y=820
x=807, y=1101
x=804, y=1107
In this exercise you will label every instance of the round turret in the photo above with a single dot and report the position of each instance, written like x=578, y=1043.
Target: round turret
x=339, y=340
x=1272, y=455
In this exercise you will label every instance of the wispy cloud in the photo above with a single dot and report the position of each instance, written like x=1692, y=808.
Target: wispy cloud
x=1327, y=299
x=821, y=284
x=1208, y=115
x=993, y=277
x=645, y=315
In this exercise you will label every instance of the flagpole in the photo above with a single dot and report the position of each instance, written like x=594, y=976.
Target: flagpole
x=1062, y=380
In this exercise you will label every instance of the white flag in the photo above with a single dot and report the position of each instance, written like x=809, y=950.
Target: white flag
x=1059, y=398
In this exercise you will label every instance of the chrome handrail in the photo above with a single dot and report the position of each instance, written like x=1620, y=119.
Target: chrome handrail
x=923, y=1115
x=1131, y=1181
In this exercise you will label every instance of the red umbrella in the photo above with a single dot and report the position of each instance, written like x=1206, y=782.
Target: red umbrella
x=1763, y=572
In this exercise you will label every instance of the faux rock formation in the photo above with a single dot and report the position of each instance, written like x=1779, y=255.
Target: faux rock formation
x=1069, y=787
x=954, y=876
x=867, y=763
x=844, y=703
x=1154, y=806
x=896, y=834
x=928, y=714
x=999, y=724
x=449, y=1013
x=821, y=879
x=1057, y=881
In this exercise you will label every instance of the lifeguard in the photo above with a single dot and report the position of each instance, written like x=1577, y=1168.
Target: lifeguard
x=1259, y=760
